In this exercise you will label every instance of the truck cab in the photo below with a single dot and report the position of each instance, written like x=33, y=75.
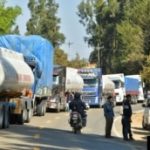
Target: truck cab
x=58, y=100
x=119, y=82
x=91, y=92
x=66, y=80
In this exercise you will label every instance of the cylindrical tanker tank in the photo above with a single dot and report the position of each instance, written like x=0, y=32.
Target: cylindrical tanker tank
x=15, y=74
x=108, y=86
x=74, y=81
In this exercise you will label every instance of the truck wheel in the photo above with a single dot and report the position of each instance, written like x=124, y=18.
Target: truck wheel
x=22, y=117
x=25, y=114
x=114, y=103
x=144, y=125
x=58, y=107
x=6, y=116
x=40, y=110
x=29, y=115
x=44, y=110
x=1, y=116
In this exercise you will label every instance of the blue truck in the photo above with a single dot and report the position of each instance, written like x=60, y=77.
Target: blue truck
x=92, y=90
x=32, y=54
x=134, y=87
x=131, y=87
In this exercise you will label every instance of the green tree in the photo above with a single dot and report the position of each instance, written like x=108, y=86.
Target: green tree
x=146, y=72
x=100, y=19
x=44, y=21
x=8, y=17
x=60, y=57
x=130, y=50
x=138, y=14
x=119, y=28
x=77, y=62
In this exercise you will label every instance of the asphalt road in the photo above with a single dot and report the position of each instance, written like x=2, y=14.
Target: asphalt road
x=52, y=132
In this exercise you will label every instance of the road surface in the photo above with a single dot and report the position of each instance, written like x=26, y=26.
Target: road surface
x=52, y=132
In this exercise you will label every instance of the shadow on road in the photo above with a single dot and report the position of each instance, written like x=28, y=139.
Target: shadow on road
x=35, y=138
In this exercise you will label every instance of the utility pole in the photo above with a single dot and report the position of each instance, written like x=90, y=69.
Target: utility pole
x=69, y=45
x=99, y=53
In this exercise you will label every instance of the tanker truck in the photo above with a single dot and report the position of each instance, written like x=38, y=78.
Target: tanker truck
x=65, y=80
x=16, y=80
x=108, y=89
x=38, y=55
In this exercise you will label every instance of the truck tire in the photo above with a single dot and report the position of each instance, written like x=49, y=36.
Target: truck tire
x=22, y=117
x=29, y=115
x=44, y=110
x=40, y=110
x=6, y=116
x=1, y=116
x=58, y=107
x=144, y=125
x=114, y=103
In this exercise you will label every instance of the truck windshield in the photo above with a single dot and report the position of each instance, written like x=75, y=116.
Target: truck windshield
x=90, y=81
x=55, y=80
x=117, y=84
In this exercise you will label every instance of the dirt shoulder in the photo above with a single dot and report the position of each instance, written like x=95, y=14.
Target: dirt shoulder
x=138, y=132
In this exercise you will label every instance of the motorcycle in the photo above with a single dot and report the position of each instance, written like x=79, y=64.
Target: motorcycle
x=77, y=122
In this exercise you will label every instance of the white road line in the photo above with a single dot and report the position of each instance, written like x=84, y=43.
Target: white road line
x=114, y=127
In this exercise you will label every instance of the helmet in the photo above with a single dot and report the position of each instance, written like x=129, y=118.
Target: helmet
x=77, y=95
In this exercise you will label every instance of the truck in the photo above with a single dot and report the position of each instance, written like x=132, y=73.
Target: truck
x=134, y=87
x=65, y=80
x=28, y=58
x=119, y=82
x=92, y=90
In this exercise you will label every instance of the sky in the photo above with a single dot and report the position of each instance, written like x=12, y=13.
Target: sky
x=70, y=26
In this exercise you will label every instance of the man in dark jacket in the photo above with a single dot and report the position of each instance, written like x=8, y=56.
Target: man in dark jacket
x=126, y=118
x=77, y=104
x=109, y=115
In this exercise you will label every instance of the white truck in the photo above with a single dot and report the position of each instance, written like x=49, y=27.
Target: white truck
x=119, y=81
x=65, y=79
x=16, y=80
x=108, y=89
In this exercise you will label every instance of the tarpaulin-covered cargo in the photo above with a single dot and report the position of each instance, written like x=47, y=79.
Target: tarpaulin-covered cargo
x=35, y=49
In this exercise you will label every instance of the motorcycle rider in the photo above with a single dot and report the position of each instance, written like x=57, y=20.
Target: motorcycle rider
x=78, y=105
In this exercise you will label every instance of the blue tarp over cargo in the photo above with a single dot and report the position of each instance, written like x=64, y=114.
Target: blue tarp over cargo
x=131, y=85
x=37, y=47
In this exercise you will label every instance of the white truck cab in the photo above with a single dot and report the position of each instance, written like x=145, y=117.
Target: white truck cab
x=119, y=81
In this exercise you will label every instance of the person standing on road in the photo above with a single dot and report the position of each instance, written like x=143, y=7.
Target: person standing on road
x=109, y=116
x=126, y=118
